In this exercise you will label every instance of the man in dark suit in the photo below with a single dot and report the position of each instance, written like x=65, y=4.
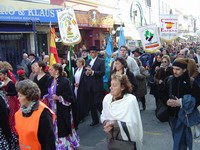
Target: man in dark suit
x=95, y=70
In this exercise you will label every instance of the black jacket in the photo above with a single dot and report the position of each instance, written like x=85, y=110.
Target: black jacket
x=180, y=86
x=95, y=82
x=82, y=95
x=64, y=89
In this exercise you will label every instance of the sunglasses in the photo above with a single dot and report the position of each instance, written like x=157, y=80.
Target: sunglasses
x=164, y=61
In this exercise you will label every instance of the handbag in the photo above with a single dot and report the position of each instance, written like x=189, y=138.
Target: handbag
x=114, y=143
x=162, y=111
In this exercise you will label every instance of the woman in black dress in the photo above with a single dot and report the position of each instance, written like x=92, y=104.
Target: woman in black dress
x=41, y=78
x=8, y=141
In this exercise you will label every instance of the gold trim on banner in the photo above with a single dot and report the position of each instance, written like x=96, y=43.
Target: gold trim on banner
x=152, y=51
x=73, y=43
x=169, y=40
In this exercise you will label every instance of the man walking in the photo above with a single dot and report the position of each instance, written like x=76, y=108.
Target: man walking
x=95, y=70
x=130, y=61
x=180, y=94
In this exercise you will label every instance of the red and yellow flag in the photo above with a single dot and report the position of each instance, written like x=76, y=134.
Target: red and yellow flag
x=53, y=51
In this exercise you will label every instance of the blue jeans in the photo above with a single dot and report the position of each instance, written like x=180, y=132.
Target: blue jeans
x=180, y=134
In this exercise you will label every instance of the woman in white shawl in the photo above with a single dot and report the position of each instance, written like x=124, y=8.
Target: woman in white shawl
x=120, y=106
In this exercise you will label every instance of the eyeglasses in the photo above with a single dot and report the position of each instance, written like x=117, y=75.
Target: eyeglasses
x=164, y=62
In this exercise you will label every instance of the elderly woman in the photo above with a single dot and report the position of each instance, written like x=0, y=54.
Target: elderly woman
x=61, y=101
x=80, y=90
x=34, y=120
x=119, y=106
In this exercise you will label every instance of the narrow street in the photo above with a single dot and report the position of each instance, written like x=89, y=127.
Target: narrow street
x=157, y=135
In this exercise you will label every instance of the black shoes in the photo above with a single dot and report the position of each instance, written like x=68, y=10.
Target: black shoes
x=94, y=123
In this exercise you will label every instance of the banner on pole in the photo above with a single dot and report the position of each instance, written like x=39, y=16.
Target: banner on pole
x=150, y=39
x=168, y=27
x=68, y=27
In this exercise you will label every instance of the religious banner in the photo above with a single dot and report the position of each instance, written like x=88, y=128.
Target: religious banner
x=68, y=27
x=150, y=39
x=168, y=27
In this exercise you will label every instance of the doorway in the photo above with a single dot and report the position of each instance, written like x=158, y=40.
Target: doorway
x=12, y=47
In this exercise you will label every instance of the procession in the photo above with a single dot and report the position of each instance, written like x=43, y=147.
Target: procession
x=95, y=75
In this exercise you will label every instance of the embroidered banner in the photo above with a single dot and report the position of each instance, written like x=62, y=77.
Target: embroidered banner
x=68, y=27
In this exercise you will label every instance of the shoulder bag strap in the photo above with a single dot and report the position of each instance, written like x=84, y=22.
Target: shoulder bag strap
x=125, y=130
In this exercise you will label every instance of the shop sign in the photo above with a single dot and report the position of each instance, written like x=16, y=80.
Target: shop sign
x=150, y=38
x=68, y=27
x=10, y=13
x=168, y=27
x=20, y=11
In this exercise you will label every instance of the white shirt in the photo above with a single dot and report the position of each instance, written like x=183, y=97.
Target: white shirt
x=92, y=61
x=77, y=77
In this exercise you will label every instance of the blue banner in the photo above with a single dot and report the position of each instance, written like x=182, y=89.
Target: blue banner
x=40, y=15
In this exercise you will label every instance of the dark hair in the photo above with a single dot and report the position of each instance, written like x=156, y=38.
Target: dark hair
x=60, y=69
x=42, y=64
x=123, y=62
x=160, y=74
x=124, y=81
x=123, y=46
x=29, y=89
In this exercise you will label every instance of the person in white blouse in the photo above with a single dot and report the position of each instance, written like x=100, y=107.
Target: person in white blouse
x=80, y=90
x=119, y=106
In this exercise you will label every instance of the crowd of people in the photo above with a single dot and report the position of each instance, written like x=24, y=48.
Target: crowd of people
x=42, y=107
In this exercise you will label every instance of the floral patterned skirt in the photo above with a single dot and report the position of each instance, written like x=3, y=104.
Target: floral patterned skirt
x=67, y=143
x=12, y=144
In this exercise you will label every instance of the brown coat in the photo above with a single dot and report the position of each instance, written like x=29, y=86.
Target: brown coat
x=141, y=82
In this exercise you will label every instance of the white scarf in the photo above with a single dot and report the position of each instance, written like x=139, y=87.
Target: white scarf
x=125, y=110
x=77, y=79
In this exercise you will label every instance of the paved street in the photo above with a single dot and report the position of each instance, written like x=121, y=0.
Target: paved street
x=157, y=135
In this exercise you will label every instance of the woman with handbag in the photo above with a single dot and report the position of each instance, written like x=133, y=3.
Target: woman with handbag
x=121, y=116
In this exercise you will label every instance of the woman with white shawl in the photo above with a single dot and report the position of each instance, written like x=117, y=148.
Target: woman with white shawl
x=119, y=106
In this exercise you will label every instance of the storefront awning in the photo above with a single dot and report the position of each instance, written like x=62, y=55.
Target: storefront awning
x=130, y=32
x=13, y=28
